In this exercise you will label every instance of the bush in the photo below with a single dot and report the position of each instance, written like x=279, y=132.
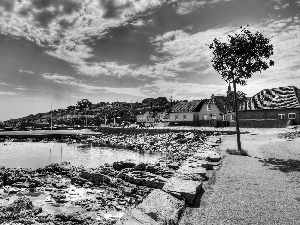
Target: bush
x=236, y=152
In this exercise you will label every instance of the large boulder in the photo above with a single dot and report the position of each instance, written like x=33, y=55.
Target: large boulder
x=192, y=169
x=136, y=217
x=162, y=207
x=123, y=164
x=183, y=189
x=145, y=178
x=208, y=155
x=78, y=180
x=99, y=178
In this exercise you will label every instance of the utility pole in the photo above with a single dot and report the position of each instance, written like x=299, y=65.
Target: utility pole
x=51, y=116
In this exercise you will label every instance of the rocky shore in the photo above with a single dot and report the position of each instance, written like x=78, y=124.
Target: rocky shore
x=64, y=194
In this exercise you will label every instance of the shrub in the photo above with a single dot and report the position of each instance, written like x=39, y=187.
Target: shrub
x=236, y=152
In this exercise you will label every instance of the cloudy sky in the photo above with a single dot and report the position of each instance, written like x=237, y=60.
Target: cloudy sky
x=62, y=51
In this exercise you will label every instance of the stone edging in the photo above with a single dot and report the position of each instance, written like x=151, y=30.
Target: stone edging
x=165, y=204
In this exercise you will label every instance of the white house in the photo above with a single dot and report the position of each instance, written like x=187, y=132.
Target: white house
x=185, y=113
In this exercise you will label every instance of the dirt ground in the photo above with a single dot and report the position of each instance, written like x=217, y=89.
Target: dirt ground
x=263, y=188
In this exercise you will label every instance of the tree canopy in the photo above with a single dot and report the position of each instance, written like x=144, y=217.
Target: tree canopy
x=243, y=55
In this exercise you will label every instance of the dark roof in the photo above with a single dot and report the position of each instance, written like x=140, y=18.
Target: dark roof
x=275, y=98
x=193, y=106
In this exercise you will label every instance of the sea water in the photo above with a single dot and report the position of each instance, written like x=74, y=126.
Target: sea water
x=38, y=155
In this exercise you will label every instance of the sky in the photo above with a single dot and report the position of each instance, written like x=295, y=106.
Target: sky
x=63, y=51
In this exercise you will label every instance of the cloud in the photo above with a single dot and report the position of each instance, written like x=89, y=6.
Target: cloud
x=21, y=88
x=34, y=99
x=113, y=8
x=58, y=78
x=188, y=91
x=7, y=93
x=188, y=6
x=26, y=71
x=67, y=80
x=5, y=84
x=7, y=5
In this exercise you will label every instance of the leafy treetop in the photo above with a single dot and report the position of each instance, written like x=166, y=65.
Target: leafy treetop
x=244, y=55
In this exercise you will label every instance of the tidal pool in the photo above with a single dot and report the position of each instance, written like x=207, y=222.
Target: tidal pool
x=38, y=155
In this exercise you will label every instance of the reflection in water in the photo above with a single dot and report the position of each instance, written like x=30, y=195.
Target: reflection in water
x=36, y=155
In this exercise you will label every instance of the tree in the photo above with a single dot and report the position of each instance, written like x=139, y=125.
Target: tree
x=236, y=61
x=83, y=104
x=230, y=100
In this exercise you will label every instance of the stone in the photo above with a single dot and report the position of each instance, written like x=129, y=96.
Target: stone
x=194, y=177
x=190, y=169
x=78, y=180
x=140, y=166
x=208, y=155
x=145, y=179
x=162, y=207
x=136, y=217
x=123, y=164
x=188, y=189
x=99, y=178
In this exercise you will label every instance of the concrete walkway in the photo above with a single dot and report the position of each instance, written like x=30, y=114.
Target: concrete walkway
x=249, y=190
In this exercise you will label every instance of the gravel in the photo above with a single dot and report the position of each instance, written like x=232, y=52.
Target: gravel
x=261, y=189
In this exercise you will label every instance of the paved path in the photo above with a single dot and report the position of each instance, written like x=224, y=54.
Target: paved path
x=248, y=190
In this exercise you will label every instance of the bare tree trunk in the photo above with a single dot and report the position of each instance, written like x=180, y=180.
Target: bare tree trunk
x=237, y=118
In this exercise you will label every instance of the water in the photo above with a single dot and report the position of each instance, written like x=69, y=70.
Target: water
x=37, y=155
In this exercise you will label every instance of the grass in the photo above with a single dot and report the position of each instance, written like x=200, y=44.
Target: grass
x=232, y=151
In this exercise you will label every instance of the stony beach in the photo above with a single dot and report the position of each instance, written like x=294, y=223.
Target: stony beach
x=66, y=194
x=191, y=184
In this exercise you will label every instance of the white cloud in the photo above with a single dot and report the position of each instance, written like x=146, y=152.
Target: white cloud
x=64, y=27
x=189, y=91
x=58, y=78
x=188, y=6
x=67, y=80
x=34, y=99
x=184, y=52
x=26, y=71
x=7, y=93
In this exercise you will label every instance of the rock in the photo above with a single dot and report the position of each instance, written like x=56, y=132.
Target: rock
x=208, y=155
x=188, y=189
x=162, y=207
x=99, y=178
x=141, y=166
x=128, y=190
x=189, y=169
x=194, y=177
x=136, y=217
x=123, y=164
x=22, y=203
x=78, y=180
x=61, y=185
x=173, y=165
x=145, y=179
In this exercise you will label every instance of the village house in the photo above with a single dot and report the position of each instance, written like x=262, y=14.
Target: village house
x=276, y=107
x=143, y=117
x=185, y=113
x=209, y=114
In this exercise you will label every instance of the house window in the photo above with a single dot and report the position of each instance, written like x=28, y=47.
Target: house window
x=281, y=116
x=233, y=117
x=223, y=117
x=208, y=107
x=213, y=116
x=184, y=117
x=204, y=117
x=292, y=116
x=176, y=117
